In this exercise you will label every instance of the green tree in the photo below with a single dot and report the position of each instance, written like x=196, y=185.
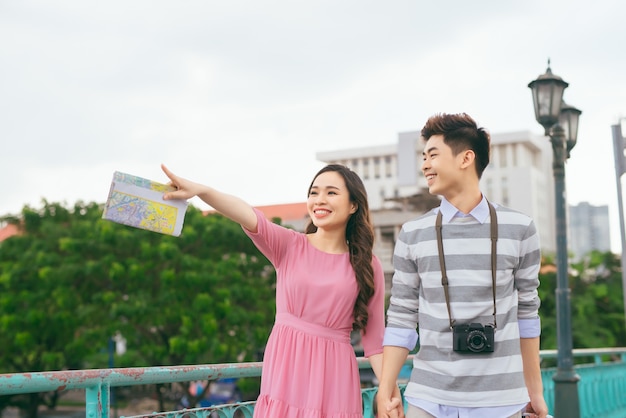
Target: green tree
x=596, y=302
x=71, y=280
x=44, y=321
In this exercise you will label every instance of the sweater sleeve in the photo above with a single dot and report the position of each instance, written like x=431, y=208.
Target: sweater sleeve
x=527, y=274
x=404, y=303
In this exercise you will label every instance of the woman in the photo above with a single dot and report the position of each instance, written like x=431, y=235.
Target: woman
x=328, y=283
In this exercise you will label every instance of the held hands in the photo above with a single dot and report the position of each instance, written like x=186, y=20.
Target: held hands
x=391, y=407
x=185, y=189
x=536, y=408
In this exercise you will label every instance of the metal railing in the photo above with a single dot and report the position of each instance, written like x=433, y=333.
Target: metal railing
x=602, y=387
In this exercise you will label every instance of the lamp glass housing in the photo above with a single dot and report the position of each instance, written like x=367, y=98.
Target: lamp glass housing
x=568, y=119
x=547, y=92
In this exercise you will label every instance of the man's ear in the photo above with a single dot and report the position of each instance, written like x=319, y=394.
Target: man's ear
x=468, y=158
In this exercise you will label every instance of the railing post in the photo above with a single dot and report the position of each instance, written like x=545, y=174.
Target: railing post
x=97, y=401
x=368, y=397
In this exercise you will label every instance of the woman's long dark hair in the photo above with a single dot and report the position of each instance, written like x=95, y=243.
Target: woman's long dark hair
x=360, y=238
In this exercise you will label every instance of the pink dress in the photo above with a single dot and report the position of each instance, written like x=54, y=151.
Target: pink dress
x=309, y=366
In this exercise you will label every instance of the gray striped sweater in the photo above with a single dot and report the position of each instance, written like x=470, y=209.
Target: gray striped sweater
x=441, y=375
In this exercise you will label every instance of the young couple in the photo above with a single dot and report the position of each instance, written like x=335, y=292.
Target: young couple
x=471, y=288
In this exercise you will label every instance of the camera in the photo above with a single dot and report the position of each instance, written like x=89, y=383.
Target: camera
x=473, y=338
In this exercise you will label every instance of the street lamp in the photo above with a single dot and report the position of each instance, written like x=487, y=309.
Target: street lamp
x=560, y=122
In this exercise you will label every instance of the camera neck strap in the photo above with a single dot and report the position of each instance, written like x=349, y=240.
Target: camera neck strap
x=442, y=261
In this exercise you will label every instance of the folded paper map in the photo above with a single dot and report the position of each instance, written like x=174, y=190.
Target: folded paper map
x=138, y=202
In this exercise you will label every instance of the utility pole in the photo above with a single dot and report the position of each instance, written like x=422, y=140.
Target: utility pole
x=619, y=143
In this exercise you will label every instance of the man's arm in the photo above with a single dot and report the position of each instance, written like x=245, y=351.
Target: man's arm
x=387, y=398
x=532, y=376
x=527, y=284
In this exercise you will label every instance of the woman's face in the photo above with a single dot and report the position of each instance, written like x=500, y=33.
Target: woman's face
x=329, y=202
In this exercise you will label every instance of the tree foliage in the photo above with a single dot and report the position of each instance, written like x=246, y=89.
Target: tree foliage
x=71, y=280
x=596, y=301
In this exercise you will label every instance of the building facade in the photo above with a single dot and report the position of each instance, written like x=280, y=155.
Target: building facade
x=588, y=230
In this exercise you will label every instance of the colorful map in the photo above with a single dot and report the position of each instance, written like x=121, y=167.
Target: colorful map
x=138, y=202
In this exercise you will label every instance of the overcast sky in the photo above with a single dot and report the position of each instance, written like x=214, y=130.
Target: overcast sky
x=241, y=95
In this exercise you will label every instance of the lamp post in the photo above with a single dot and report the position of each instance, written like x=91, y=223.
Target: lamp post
x=560, y=122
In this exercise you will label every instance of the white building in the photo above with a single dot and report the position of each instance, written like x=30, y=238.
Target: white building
x=588, y=229
x=518, y=176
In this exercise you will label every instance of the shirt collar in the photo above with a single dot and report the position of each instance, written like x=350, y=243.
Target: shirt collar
x=480, y=212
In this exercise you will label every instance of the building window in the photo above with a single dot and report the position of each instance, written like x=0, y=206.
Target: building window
x=376, y=167
x=366, y=168
x=502, y=150
x=388, y=173
x=387, y=235
x=514, y=157
x=505, y=192
x=536, y=160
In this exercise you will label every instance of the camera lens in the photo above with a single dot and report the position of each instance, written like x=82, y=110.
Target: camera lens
x=476, y=340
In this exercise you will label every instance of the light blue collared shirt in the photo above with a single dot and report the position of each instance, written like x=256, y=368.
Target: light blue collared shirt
x=480, y=212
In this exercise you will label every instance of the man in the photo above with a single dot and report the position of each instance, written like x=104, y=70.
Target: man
x=459, y=273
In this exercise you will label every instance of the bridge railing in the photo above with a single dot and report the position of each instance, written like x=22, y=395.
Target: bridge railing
x=602, y=387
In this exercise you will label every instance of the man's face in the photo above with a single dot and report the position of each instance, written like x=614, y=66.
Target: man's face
x=441, y=168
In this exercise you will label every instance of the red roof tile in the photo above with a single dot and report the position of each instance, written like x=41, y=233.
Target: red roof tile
x=8, y=231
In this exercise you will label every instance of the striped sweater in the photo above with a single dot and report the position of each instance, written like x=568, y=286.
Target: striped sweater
x=441, y=375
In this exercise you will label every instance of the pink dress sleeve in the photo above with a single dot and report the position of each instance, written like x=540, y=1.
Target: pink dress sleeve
x=372, y=339
x=271, y=239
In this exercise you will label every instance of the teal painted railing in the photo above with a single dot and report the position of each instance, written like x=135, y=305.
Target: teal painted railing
x=602, y=387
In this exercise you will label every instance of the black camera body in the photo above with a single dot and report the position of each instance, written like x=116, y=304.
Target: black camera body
x=473, y=338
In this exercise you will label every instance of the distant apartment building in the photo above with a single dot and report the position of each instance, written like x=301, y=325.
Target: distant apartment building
x=519, y=176
x=588, y=230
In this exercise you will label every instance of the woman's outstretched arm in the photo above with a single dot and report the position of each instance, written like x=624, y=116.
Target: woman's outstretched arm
x=230, y=206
